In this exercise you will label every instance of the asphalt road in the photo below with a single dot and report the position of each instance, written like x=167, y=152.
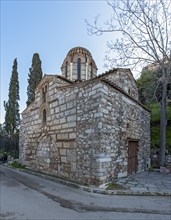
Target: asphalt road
x=25, y=196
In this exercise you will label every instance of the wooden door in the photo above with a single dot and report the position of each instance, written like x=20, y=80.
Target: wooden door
x=132, y=156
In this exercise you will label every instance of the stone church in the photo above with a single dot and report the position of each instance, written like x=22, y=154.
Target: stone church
x=83, y=127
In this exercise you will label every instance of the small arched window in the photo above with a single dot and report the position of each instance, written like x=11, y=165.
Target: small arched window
x=91, y=65
x=44, y=116
x=45, y=89
x=43, y=95
x=66, y=69
x=79, y=69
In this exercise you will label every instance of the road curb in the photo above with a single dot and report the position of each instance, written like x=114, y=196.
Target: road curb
x=89, y=188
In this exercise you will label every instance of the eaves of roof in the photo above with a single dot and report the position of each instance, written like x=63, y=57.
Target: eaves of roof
x=114, y=70
x=64, y=79
x=108, y=82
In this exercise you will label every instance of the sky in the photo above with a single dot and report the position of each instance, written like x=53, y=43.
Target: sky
x=50, y=28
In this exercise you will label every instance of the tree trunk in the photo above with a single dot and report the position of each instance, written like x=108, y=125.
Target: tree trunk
x=163, y=121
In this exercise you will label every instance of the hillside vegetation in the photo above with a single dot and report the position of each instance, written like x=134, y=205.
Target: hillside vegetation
x=150, y=97
x=155, y=126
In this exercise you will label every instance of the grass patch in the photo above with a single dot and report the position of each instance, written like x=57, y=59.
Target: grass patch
x=112, y=186
x=15, y=164
x=155, y=112
x=155, y=138
x=155, y=126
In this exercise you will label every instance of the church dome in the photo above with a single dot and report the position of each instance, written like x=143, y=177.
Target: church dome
x=79, y=65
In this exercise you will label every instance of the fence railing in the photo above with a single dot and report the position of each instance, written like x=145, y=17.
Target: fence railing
x=9, y=147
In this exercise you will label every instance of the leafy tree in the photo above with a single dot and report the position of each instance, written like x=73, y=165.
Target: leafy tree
x=150, y=87
x=144, y=28
x=3, y=133
x=12, y=116
x=35, y=76
x=146, y=86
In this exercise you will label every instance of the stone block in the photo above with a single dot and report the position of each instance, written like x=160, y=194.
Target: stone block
x=57, y=127
x=65, y=125
x=54, y=104
x=72, y=144
x=95, y=165
x=73, y=96
x=61, y=114
x=71, y=124
x=165, y=170
x=98, y=174
x=138, y=189
x=62, y=120
x=48, y=160
x=119, y=160
x=65, y=174
x=122, y=174
x=104, y=110
x=70, y=104
x=56, y=109
x=73, y=167
x=125, y=163
x=59, y=144
x=62, y=107
x=98, y=115
x=97, y=86
x=63, y=152
x=100, y=125
x=71, y=118
x=50, y=84
x=71, y=155
x=53, y=137
x=66, y=144
x=59, y=136
x=105, y=90
x=89, y=131
x=63, y=159
x=64, y=136
x=102, y=160
x=72, y=135
x=92, y=93
x=52, y=111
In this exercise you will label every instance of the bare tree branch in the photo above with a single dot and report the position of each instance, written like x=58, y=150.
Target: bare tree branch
x=143, y=30
x=138, y=23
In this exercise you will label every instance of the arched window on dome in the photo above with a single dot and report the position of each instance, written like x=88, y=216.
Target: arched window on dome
x=78, y=69
x=44, y=116
x=66, y=69
x=91, y=70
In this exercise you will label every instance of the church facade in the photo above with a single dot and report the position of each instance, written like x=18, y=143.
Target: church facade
x=83, y=127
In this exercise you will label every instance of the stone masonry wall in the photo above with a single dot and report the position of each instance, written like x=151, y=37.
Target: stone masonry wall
x=85, y=137
x=125, y=80
x=88, y=130
x=62, y=146
x=121, y=119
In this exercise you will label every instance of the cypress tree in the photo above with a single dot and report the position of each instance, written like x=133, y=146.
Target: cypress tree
x=35, y=76
x=12, y=116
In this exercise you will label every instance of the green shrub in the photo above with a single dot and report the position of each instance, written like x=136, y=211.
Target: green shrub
x=155, y=112
x=114, y=186
x=16, y=164
x=155, y=126
x=155, y=137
